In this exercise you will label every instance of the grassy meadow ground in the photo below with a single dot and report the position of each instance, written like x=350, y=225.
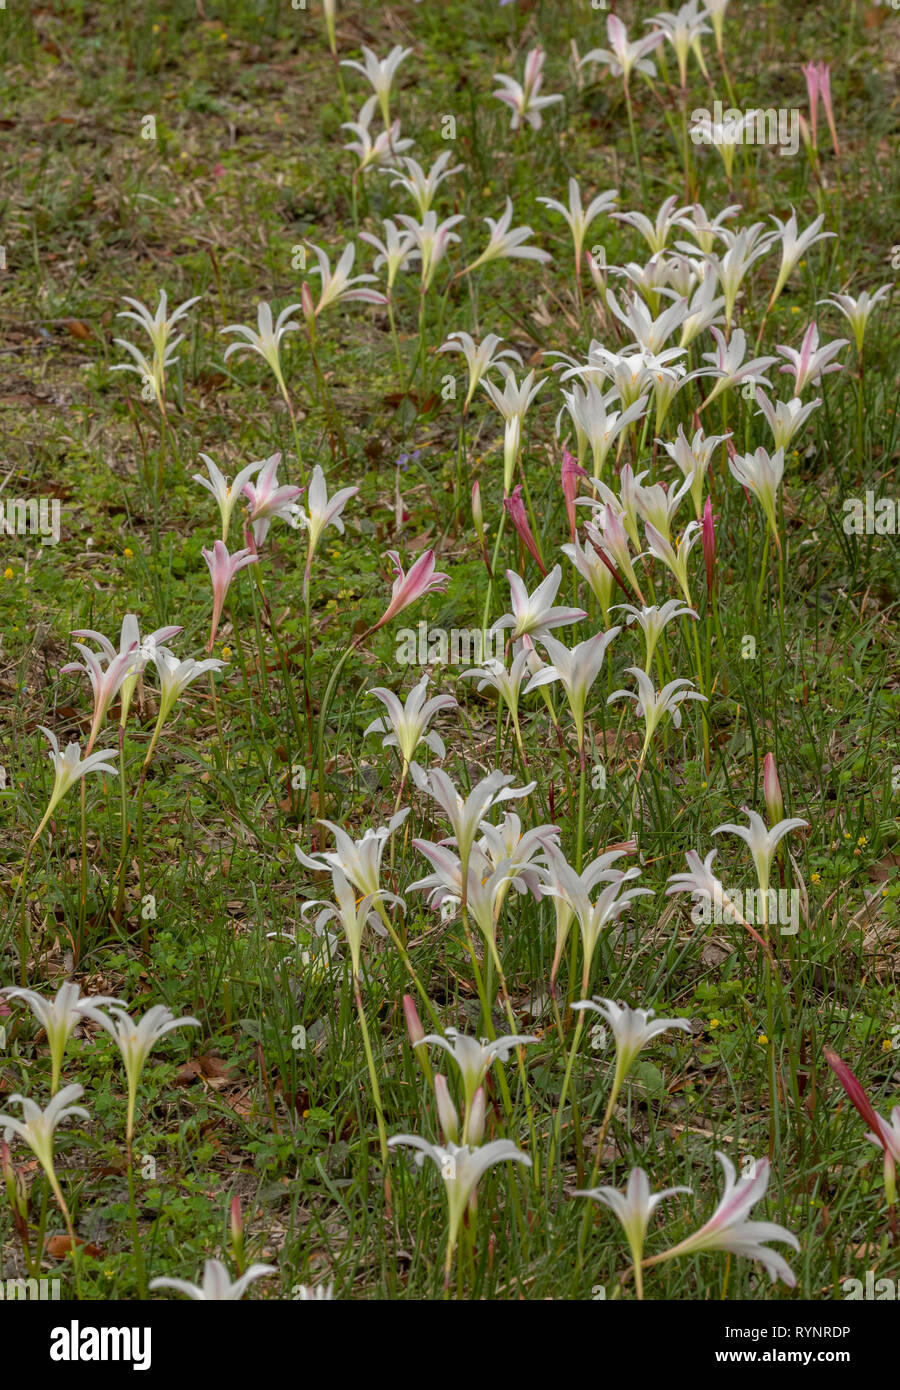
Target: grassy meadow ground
x=270, y=1098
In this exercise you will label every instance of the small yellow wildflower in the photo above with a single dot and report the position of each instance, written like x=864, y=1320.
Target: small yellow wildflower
x=8, y=574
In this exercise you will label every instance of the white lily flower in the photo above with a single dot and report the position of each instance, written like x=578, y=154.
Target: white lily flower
x=761, y=474
x=60, y=1017
x=525, y=98
x=564, y=886
x=593, y=917
x=608, y=534
x=762, y=844
x=135, y=1040
x=683, y=30
x=130, y=642
x=395, y=252
x=352, y=915
x=175, y=676
x=512, y=402
x=576, y=669
x=338, y=288
x=506, y=244
x=479, y=358
x=743, y=249
x=69, y=768
x=322, y=514
x=794, y=247
x=159, y=328
x=379, y=72
x=632, y=1029
x=589, y=565
x=420, y=186
x=461, y=1168
x=268, y=499
x=651, y=334
x=858, y=311
x=486, y=887
x=216, y=1285
x=634, y=1208
x=727, y=1229
x=702, y=311
x=266, y=342
x=579, y=218
x=474, y=1058
x=704, y=229
x=465, y=816
x=652, y=705
x=37, y=1127
x=533, y=615
x=406, y=725
x=492, y=674
x=655, y=504
x=694, y=459
x=675, y=557
x=725, y=135
x=784, y=418
x=384, y=149
x=652, y=621
x=655, y=233
x=225, y=493
x=506, y=844
x=359, y=860
x=432, y=239
x=594, y=427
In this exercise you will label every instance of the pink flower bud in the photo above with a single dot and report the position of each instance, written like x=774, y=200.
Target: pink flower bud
x=772, y=790
x=516, y=509
x=413, y=1022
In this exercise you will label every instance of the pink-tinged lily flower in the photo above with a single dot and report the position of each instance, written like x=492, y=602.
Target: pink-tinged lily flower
x=268, y=500
x=105, y=680
x=708, y=531
x=407, y=588
x=811, y=73
x=130, y=640
x=622, y=56
x=811, y=363
x=727, y=1229
x=533, y=615
x=818, y=84
x=887, y=1136
x=338, y=287
x=525, y=98
x=772, y=789
x=222, y=569
x=570, y=472
x=515, y=507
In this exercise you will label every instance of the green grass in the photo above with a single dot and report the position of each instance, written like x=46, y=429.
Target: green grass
x=247, y=163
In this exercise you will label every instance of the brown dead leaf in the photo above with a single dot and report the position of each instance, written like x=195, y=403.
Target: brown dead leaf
x=59, y=1247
